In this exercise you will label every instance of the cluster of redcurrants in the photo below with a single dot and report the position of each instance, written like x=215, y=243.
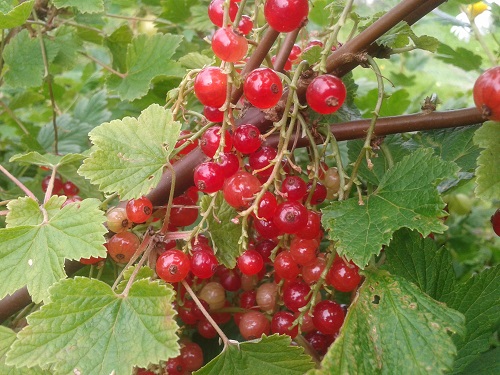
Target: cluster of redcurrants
x=68, y=188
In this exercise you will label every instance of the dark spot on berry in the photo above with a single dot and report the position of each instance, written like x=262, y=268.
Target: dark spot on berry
x=332, y=101
x=274, y=88
x=173, y=269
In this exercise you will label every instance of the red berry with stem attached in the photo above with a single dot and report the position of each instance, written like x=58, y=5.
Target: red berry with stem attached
x=328, y=317
x=245, y=25
x=318, y=195
x=70, y=189
x=253, y=325
x=495, y=222
x=210, y=141
x=261, y=159
x=303, y=251
x=172, y=266
x=267, y=206
x=282, y=324
x=216, y=12
x=139, y=210
x=239, y=189
x=206, y=329
x=265, y=248
x=319, y=341
x=57, y=187
x=326, y=94
x=213, y=114
x=229, y=279
x=122, y=246
x=117, y=220
x=192, y=356
x=250, y=262
x=208, y=177
x=486, y=93
x=263, y=88
x=210, y=87
x=285, y=267
x=175, y=366
x=344, y=277
x=312, y=228
x=229, y=46
x=286, y=15
x=246, y=138
x=290, y=217
x=266, y=228
x=296, y=294
x=294, y=188
x=229, y=163
x=185, y=134
x=203, y=264
x=312, y=271
x=187, y=312
x=181, y=216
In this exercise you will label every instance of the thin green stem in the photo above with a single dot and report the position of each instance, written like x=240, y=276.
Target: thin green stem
x=11, y=113
x=18, y=183
x=137, y=267
x=164, y=228
x=107, y=67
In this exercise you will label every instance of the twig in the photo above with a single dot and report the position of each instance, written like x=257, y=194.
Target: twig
x=107, y=67
x=11, y=113
x=18, y=183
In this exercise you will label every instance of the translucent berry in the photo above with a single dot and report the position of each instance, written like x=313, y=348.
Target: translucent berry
x=326, y=94
x=139, y=210
x=286, y=15
x=122, y=246
x=173, y=266
x=216, y=12
x=263, y=88
x=246, y=138
x=208, y=177
x=210, y=87
x=229, y=46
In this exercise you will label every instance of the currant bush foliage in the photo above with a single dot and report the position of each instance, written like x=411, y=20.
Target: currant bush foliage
x=97, y=93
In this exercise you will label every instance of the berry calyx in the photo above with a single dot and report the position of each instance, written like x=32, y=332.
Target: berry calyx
x=290, y=216
x=326, y=94
x=122, y=246
x=139, y=210
x=173, y=266
x=209, y=177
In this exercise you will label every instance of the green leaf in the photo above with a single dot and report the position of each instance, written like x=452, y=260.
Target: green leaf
x=68, y=44
x=72, y=135
x=200, y=21
x=128, y=155
x=269, y=355
x=195, y=60
x=143, y=273
x=88, y=6
x=16, y=16
x=147, y=57
x=394, y=105
x=7, y=338
x=460, y=57
x=420, y=261
x=88, y=328
x=427, y=43
x=477, y=298
x=23, y=57
x=397, y=37
x=486, y=364
x=391, y=325
x=488, y=170
x=312, y=55
x=225, y=234
x=47, y=160
x=117, y=43
x=405, y=197
x=176, y=11
x=33, y=250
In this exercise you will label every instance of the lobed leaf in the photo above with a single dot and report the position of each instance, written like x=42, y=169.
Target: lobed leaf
x=16, y=16
x=488, y=170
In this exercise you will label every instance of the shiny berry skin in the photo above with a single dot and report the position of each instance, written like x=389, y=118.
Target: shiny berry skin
x=248, y=299
x=187, y=312
x=246, y=138
x=286, y=68
x=282, y=324
x=213, y=114
x=253, y=324
x=328, y=317
x=185, y=134
x=263, y=88
x=250, y=262
x=58, y=185
x=265, y=247
x=70, y=189
x=239, y=189
x=285, y=267
x=486, y=93
x=210, y=87
x=296, y=294
x=295, y=52
x=117, y=220
x=245, y=25
x=216, y=12
x=261, y=159
x=266, y=228
x=173, y=266
x=294, y=188
x=326, y=94
x=228, y=45
x=318, y=195
x=122, y=246
x=342, y=276
x=495, y=222
x=229, y=279
x=290, y=217
x=139, y=210
x=331, y=179
x=214, y=294
x=175, y=366
x=312, y=271
x=183, y=216
x=208, y=177
x=205, y=329
x=192, y=356
x=266, y=297
x=303, y=251
x=210, y=141
x=286, y=15
x=203, y=264
x=229, y=163
x=312, y=228
x=267, y=206
x=319, y=341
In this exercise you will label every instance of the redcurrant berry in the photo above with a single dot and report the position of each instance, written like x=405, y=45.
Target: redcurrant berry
x=250, y=262
x=344, y=277
x=328, y=317
x=122, y=246
x=246, y=138
x=216, y=12
x=228, y=45
x=172, y=266
x=240, y=188
x=296, y=294
x=290, y=216
x=294, y=188
x=263, y=88
x=495, y=222
x=210, y=87
x=487, y=93
x=286, y=15
x=282, y=324
x=70, y=189
x=208, y=177
x=139, y=210
x=210, y=141
x=326, y=94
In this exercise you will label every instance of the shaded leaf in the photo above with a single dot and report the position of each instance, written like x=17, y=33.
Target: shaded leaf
x=16, y=16
x=87, y=6
x=460, y=57
x=488, y=170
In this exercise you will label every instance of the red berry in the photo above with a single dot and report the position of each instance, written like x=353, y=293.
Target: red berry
x=290, y=217
x=192, y=356
x=210, y=87
x=328, y=317
x=122, y=246
x=213, y=114
x=285, y=267
x=296, y=294
x=216, y=12
x=240, y=188
x=294, y=188
x=295, y=52
x=495, y=222
x=326, y=94
x=253, y=324
x=263, y=88
x=265, y=248
x=287, y=67
x=487, y=93
x=248, y=299
x=73, y=199
x=210, y=141
x=58, y=185
x=203, y=264
x=261, y=159
x=344, y=277
x=319, y=193
x=229, y=279
x=229, y=46
x=139, y=210
x=312, y=271
x=173, y=266
x=266, y=229
x=319, y=341
x=175, y=366
x=250, y=262
x=267, y=206
x=282, y=324
x=229, y=163
x=286, y=15
x=245, y=25
x=246, y=138
x=205, y=329
x=187, y=312
x=208, y=177
x=183, y=216
x=312, y=228
x=303, y=251
x=185, y=134
x=70, y=189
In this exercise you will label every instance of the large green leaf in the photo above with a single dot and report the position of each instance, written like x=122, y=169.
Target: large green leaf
x=15, y=16
x=486, y=364
x=392, y=328
x=224, y=233
x=488, y=170
x=147, y=57
x=405, y=197
x=87, y=6
x=33, y=250
x=88, y=328
x=270, y=355
x=128, y=155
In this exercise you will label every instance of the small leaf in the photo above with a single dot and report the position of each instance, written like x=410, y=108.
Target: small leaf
x=87, y=6
x=176, y=11
x=88, y=328
x=405, y=197
x=225, y=234
x=397, y=37
x=33, y=251
x=147, y=57
x=488, y=170
x=16, y=16
x=195, y=60
x=477, y=298
x=128, y=155
x=391, y=325
x=312, y=55
x=427, y=43
x=270, y=355
x=460, y=57
x=47, y=160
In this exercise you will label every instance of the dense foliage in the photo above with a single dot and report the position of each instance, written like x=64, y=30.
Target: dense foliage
x=249, y=186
